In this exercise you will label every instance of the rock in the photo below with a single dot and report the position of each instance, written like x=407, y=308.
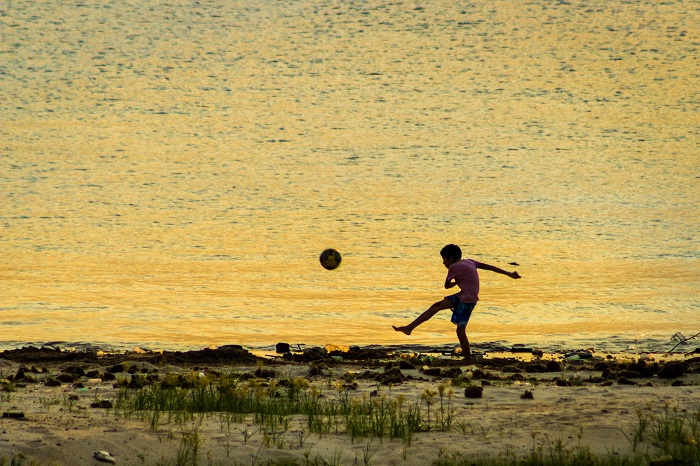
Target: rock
x=536, y=368
x=65, y=378
x=94, y=374
x=517, y=377
x=282, y=348
x=672, y=370
x=678, y=383
x=102, y=404
x=527, y=395
x=13, y=415
x=630, y=374
x=609, y=374
x=108, y=376
x=474, y=391
x=625, y=381
x=562, y=383
x=116, y=369
x=452, y=373
x=406, y=365
x=264, y=373
x=511, y=369
x=75, y=370
x=319, y=369
x=432, y=371
x=52, y=383
x=313, y=354
x=554, y=366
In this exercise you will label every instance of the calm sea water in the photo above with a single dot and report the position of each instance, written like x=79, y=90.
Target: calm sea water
x=170, y=171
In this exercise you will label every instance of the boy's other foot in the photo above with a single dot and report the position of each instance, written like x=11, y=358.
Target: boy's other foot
x=403, y=329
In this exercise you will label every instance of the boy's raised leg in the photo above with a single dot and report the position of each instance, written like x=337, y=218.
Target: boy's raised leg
x=425, y=316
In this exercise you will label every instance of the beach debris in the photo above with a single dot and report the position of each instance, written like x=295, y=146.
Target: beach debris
x=104, y=456
x=577, y=355
x=521, y=349
x=681, y=339
x=281, y=348
x=474, y=391
x=527, y=395
x=330, y=348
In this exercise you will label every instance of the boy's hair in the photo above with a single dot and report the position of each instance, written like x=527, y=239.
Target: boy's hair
x=451, y=251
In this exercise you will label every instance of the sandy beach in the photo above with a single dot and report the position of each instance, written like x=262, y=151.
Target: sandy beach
x=60, y=407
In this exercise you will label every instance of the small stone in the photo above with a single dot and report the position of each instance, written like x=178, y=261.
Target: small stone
x=102, y=404
x=678, y=383
x=432, y=371
x=474, y=391
x=625, y=381
x=66, y=378
x=527, y=395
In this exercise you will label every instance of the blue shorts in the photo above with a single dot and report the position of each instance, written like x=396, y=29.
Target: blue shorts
x=461, y=312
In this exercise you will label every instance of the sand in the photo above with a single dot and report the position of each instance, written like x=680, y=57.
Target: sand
x=57, y=425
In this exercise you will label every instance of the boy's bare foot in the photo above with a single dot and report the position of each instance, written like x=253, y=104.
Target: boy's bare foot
x=403, y=329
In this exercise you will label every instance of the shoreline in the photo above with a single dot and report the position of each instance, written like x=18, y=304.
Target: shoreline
x=59, y=407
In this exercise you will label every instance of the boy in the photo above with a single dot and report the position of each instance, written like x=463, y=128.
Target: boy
x=460, y=273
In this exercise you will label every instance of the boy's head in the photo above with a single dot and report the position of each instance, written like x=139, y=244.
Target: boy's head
x=450, y=254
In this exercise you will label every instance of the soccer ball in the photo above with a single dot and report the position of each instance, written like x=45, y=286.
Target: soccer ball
x=330, y=259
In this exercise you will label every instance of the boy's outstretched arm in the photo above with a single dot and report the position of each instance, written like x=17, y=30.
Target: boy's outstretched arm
x=493, y=268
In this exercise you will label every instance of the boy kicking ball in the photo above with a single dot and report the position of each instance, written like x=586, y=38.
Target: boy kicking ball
x=462, y=273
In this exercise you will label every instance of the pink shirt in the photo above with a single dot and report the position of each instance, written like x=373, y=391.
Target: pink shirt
x=465, y=274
